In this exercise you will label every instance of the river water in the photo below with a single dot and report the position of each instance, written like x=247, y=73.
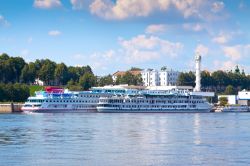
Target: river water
x=125, y=139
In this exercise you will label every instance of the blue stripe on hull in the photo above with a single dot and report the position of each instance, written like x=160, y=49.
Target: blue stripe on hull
x=153, y=111
x=63, y=111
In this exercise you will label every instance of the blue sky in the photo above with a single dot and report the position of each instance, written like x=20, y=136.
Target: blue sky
x=111, y=35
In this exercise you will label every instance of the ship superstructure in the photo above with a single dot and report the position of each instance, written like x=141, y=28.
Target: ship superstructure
x=55, y=99
x=173, y=100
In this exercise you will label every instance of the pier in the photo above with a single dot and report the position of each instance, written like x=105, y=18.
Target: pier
x=10, y=107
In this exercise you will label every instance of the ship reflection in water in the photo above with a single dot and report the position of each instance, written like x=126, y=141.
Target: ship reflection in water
x=125, y=139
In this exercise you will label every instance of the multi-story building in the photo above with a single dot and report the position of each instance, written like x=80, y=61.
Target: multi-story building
x=164, y=77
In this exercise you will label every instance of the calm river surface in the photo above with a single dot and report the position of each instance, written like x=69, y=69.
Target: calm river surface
x=125, y=139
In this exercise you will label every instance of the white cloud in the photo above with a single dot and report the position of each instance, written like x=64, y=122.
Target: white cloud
x=122, y=9
x=47, y=4
x=139, y=49
x=237, y=52
x=103, y=60
x=145, y=48
x=203, y=50
x=190, y=7
x=78, y=4
x=193, y=26
x=3, y=21
x=217, y=6
x=54, y=33
x=156, y=28
x=222, y=38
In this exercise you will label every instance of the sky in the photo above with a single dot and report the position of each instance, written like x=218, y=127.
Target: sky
x=112, y=35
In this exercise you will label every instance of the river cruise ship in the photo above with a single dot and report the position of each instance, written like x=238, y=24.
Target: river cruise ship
x=173, y=100
x=55, y=99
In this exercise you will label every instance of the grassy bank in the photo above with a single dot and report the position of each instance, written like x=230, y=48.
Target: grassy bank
x=34, y=88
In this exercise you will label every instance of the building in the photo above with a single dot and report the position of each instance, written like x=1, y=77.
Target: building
x=231, y=99
x=122, y=73
x=244, y=98
x=38, y=82
x=164, y=77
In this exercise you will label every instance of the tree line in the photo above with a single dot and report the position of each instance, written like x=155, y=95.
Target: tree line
x=16, y=70
x=225, y=82
x=14, y=92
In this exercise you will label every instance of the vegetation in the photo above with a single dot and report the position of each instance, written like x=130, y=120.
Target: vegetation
x=106, y=80
x=16, y=70
x=15, y=73
x=129, y=79
x=14, y=92
x=223, y=101
x=219, y=81
x=135, y=69
x=34, y=88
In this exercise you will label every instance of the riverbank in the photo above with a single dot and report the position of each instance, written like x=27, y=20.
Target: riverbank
x=10, y=107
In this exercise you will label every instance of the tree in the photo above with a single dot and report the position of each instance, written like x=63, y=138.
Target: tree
x=19, y=64
x=61, y=74
x=223, y=101
x=46, y=73
x=220, y=79
x=130, y=79
x=14, y=92
x=87, y=81
x=237, y=70
x=2, y=94
x=4, y=57
x=135, y=69
x=206, y=79
x=186, y=79
x=106, y=80
x=229, y=90
x=28, y=73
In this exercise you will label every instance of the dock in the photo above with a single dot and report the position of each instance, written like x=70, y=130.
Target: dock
x=10, y=107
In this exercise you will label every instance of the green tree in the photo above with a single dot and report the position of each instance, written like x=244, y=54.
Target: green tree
x=4, y=57
x=28, y=73
x=237, y=70
x=186, y=79
x=19, y=64
x=135, y=69
x=130, y=79
x=61, y=74
x=106, y=80
x=87, y=81
x=230, y=90
x=223, y=101
x=2, y=94
x=221, y=79
x=46, y=73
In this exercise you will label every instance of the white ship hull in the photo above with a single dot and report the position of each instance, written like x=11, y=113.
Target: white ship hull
x=113, y=110
x=60, y=110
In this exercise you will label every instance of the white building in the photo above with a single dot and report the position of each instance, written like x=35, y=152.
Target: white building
x=164, y=77
x=38, y=82
x=231, y=99
x=244, y=97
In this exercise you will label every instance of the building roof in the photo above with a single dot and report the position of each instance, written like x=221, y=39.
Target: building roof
x=122, y=73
